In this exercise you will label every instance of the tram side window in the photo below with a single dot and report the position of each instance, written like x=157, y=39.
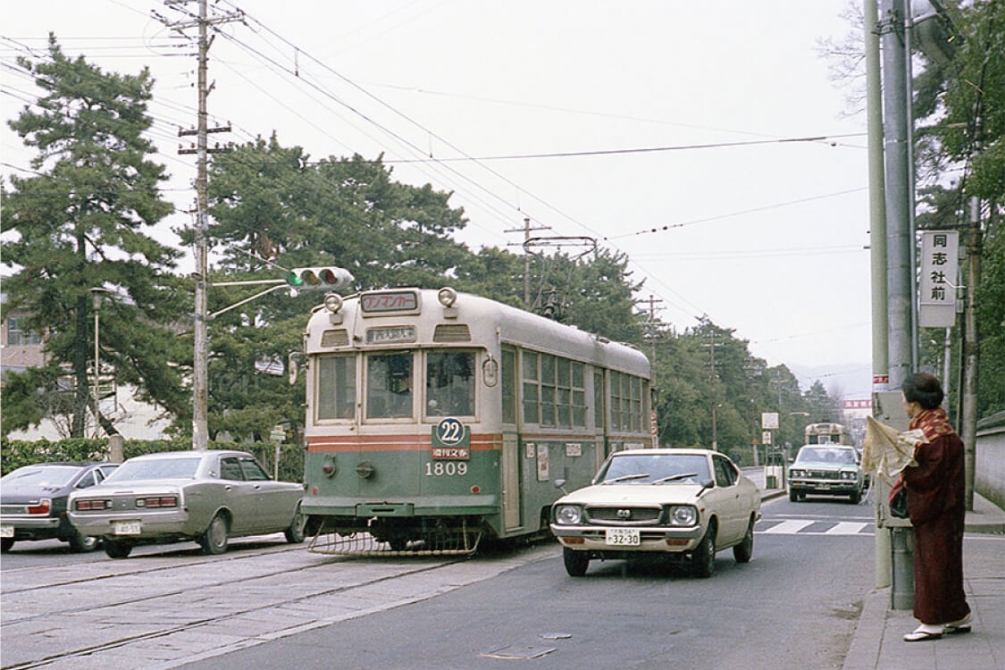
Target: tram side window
x=450, y=383
x=627, y=402
x=508, y=386
x=530, y=388
x=336, y=397
x=389, y=386
x=598, y=399
x=555, y=393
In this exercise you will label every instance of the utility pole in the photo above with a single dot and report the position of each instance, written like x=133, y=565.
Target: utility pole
x=200, y=360
x=968, y=395
x=712, y=344
x=893, y=21
x=526, y=256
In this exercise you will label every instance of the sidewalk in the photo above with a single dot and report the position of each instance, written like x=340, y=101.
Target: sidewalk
x=878, y=642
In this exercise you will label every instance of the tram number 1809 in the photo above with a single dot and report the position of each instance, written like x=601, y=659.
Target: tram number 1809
x=446, y=469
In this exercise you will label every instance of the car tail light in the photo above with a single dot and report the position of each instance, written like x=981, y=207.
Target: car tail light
x=92, y=505
x=41, y=508
x=157, y=501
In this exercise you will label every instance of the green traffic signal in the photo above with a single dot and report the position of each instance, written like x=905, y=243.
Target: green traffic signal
x=319, y=278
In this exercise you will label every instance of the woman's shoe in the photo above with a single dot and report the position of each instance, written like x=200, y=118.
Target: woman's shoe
x=924, y=632
x=960, y=627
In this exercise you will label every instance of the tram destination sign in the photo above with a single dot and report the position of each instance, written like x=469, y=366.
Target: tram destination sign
x=389, y=301
x=390, y=334
x=451, y=441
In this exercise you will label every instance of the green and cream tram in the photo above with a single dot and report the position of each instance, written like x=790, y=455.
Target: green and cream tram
x=436, y=419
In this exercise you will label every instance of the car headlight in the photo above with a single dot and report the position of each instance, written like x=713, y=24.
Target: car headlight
x=568, y=515
x=796, y=473
x=683, y=515
x=848, y=475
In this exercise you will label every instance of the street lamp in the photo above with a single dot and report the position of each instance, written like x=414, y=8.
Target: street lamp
x=96, y=295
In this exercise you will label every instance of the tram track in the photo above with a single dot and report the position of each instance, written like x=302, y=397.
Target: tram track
x=163, y=616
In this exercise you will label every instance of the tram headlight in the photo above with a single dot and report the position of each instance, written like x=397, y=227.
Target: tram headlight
x=447, y=296
x=333, y=302
x=568, y=515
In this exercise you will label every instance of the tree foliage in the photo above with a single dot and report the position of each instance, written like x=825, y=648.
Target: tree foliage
x=80, y=222
x=960, y=107
x=80, y=225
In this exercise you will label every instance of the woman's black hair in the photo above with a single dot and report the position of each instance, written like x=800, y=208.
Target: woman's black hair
x=923, y=389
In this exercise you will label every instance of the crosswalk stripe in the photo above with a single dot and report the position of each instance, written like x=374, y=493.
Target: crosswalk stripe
x=847, y=528
x=788, y=527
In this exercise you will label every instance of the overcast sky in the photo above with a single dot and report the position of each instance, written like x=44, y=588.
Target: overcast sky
x=608, y=119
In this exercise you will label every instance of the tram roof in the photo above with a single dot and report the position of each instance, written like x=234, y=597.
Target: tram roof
x=485, y=318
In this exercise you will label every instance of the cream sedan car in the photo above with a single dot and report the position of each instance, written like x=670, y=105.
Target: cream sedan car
x=684, y=503
x=207, y=496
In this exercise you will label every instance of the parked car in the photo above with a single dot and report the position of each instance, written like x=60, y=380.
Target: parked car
x=826, y=469
x=686, y=504
x=33, y=502
x=204, y=495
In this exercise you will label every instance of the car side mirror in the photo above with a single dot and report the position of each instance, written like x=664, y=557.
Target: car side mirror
x=560, y=484
x=705, y=484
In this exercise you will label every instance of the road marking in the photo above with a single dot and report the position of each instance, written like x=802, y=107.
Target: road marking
x=847, y=528
x=787, y=527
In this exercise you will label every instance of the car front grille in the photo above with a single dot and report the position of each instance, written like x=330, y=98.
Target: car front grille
x=823, y=474
x=627, y=516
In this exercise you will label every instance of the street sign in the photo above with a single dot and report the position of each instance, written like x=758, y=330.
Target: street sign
x=939, y=265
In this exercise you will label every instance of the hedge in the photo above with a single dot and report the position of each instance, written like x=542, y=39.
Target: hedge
x=18, y=453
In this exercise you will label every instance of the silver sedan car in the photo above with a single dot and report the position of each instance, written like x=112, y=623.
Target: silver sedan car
x=204, y=495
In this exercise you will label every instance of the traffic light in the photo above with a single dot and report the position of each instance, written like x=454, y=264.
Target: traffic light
x=322, y=278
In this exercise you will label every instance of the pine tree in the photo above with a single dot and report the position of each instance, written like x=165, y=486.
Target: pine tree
x=79, y=223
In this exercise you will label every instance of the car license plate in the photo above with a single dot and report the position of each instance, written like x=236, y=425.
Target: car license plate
x=127, y=527
x=824, y=487
x=622, y=537
x=6, y=531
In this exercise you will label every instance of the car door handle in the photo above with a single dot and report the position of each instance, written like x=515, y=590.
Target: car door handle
x=228, y=487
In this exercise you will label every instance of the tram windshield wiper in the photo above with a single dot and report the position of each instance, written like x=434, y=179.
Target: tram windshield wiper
x=625, y=478
x=674, y=478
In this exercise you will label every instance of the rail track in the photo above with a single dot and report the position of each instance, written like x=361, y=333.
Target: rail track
x=163, y=610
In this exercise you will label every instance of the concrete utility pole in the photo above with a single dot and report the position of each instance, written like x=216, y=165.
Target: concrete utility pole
x=877, y=254
x=899, y=197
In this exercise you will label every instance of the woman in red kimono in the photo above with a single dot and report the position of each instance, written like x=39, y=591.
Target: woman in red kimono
x=937, y=507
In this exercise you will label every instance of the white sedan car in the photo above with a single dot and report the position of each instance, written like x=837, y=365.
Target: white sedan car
x=684, y=503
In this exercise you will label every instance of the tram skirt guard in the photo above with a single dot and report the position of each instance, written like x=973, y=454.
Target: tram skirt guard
x=444, y=542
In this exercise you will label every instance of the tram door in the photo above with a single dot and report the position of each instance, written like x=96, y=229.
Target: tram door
x=512, y=486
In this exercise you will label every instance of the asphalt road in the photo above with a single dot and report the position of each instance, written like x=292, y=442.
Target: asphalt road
x=267, y=604
x=794, y=606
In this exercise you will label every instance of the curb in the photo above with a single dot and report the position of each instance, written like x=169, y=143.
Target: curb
x=867, y=641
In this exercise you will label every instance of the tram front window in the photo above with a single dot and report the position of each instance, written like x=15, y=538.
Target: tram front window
x=450, y=383
x=389, y=386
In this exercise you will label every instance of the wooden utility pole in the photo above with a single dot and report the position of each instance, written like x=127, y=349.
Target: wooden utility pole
x=200, y=360
x=526, y=257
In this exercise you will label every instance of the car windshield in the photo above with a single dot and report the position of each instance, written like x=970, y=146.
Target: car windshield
x=826, y=455
x=156, y=468
x=656, y=468
x=56, y=476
